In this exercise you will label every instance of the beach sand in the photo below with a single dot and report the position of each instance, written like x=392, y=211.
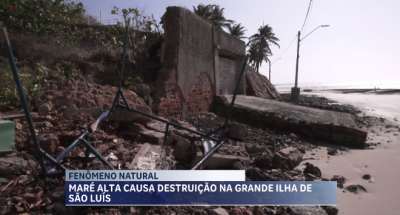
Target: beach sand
x=382, y=163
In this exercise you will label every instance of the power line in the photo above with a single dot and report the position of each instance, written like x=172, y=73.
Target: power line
x=309, y=16
x=309, y=5
x=288, y=46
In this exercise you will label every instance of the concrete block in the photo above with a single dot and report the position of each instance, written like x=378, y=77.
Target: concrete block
x=179, y=144
x=7, y=134
x=152, y=137
x=152, y=157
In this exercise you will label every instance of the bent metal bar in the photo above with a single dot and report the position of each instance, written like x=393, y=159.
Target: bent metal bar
x=54, y=163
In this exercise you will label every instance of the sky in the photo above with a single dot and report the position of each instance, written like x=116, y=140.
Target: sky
x=361, y=44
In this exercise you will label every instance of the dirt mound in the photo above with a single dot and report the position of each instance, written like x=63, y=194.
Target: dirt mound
x=68, y=97
x=259, y=85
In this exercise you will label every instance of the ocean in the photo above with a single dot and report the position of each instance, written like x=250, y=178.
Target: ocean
x=355, y=85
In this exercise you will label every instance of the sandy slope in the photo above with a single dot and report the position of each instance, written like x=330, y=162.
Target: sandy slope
x=382, y=163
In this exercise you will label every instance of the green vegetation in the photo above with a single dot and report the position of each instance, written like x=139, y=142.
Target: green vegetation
x=259, y=43
x=237, y=31
x=214, y=13
x=52, y=40
x=259, y=46
x=32, y=80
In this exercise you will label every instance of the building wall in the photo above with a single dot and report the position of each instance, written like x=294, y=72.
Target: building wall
x=205, y=61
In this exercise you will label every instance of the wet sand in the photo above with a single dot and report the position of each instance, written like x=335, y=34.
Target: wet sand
x=382, y=163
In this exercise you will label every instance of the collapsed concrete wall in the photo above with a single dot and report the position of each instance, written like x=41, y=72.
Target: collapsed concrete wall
x=259, y=85
x=342, y=134
x=200, y=61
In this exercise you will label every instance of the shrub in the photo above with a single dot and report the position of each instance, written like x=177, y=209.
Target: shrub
x=32, y=80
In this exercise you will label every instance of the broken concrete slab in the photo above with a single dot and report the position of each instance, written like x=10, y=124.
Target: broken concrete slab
x=153, y=137
x=158, y=126
x=153, y=157
x=336, y=127
x=11, y=165
x=217, y=161
x=287, y=158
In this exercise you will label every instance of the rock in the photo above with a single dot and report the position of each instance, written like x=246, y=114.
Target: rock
x=60, y=208
x=310, y=168
x=255, y=174
x=219, y=211
x=186, y=134
x=292, y=136
x=332, y=151
x=263, y=161
x=237, y=131
x=254, y=149
x=58, y=194
x=366, y=177
x=11, y=166
x=32, y=198
x=236, y=211
x=19, y=209
x=238, y=166
x=331, y=210
x=137, y=128
x=356, y=188
x=340, y=179
x=310, y=177
x=3, y=180
x=258, y=210
x=152, y=137
x=49, y=142
x=299, y=210
x=127, y=117
x=143, y=90
x=45, y=108
x=181, y=146
x=287, y=158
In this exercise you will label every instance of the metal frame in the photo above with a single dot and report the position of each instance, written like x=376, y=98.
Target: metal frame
x=55, y=162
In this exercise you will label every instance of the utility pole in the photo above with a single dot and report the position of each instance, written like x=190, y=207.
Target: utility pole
x=269, y=72
x=270, y=64
x=295, y=93
x=297, y=59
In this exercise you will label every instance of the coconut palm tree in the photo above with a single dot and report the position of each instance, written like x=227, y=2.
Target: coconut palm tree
x=214, y=13
x=203, y=10
x=237, y=30
x=262, y=39
x=258, y=54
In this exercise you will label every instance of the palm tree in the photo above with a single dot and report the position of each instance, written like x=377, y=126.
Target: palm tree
x=203, y=10
x=258, y=54
x=214, y=13
x=262, y=40
x=237, y=31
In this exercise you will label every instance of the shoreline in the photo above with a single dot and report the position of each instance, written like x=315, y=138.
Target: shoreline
x=345, y=91
x=379, y=161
